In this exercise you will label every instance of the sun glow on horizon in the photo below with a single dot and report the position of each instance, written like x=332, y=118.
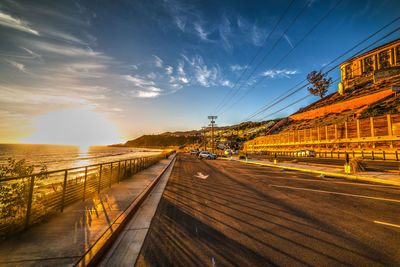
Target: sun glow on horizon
x=73, y=126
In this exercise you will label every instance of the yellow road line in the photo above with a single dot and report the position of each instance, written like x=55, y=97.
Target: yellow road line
x=389, y=224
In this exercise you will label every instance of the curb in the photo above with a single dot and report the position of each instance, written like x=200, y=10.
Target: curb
x=346, y=176
x=93, y=256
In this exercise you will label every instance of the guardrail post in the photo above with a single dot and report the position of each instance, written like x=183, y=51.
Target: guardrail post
x=130, y=167
x=362, y=154
x=331, y=154
x=119, y=170
x=99, y=187
x=397, y=155
x=372, y=155
x=29, y=204
x=64, y=189
x=354, y=154
x=111, y=173
x=84, y=185
x=371, y=119
x=383, y=155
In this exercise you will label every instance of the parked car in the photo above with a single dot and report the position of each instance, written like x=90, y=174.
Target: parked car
x=207, y=155
x=304, y=153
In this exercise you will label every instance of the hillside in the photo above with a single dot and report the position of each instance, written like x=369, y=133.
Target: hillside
x=225, y=136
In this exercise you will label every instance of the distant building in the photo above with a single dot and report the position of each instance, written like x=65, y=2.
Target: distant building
x=377, y=64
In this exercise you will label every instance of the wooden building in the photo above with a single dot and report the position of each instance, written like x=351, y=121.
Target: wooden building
x=377, y=64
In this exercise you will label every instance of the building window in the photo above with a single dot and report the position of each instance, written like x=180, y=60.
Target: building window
x=368, y=65
x=398, y=54
x=384, y=58
x=348, y=72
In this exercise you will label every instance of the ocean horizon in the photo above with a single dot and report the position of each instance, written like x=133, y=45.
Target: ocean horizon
x=57, y=157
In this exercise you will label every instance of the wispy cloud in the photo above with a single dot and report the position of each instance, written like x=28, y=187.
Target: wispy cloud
x=169, y=70
x=147, y=94
x=138, y=81
x=236, y=67
x=158, y=61
x=288, y=40
x=17, y=65
x=201, y=32
x=279, y=73
x=17, y=24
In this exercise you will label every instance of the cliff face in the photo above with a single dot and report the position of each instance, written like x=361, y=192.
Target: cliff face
x=162, y=141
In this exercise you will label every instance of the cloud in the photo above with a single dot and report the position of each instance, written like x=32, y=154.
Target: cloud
x=146, y=94
x=33, y=54
x=226, y=83
x=288, y=40
x=224, y=30
x=180, y=68
x=169, y=70
x=17, y=65
x=183, y=79
x=180, y=22
x=138, y=81
x=158, y=61
x=17, y=24
x=251, y=31
x=151, y=75
x=236, y=67
x=279, y=73
x=200, y=32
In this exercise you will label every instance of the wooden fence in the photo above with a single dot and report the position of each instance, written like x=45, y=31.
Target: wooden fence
x=374, y=133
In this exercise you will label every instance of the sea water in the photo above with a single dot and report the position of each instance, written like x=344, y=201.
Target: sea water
x=57, y=157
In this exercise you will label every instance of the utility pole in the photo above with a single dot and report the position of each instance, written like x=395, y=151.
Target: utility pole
x=204, y=137
x=212, y=118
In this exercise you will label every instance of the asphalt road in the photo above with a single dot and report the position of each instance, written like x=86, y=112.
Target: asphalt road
x=372, y=165
x=246, y=215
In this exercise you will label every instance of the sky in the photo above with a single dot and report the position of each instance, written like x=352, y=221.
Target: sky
x=114, y=70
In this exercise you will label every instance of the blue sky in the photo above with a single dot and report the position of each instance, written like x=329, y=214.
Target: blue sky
x=155, y=66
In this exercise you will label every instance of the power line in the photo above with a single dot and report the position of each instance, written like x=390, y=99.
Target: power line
x=258, y=52
x=356, y=54
x=358, y=44
x=290, y=51
x=269, y=52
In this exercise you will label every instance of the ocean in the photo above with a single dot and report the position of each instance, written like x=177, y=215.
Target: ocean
x=57, y=157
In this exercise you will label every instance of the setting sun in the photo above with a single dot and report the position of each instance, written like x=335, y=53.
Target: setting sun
x=74, y=126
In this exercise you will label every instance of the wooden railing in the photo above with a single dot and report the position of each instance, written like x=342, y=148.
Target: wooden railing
x=369, y=133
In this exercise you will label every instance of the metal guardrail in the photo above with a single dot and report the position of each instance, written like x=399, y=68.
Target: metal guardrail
x=29, y=199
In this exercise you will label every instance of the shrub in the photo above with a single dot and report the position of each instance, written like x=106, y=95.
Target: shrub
x=357, y=165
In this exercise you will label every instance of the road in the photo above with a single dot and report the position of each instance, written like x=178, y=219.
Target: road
x=371, y=165
x=246, y=215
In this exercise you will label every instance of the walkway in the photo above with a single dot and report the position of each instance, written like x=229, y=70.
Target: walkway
x=65, y=238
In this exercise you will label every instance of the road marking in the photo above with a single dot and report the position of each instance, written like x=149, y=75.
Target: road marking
x=389, y=224
x=329, y=181
x=336, y=193
x=201, y=176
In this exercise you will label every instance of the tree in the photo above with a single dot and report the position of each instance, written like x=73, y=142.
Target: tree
x=319, y=83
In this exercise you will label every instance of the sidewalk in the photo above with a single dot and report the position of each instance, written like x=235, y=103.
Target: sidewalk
x=376, y=177
x=65, y=238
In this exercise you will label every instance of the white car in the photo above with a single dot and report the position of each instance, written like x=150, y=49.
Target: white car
x=207, y=155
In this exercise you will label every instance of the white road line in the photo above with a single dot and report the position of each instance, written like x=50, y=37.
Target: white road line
x=335, y=182
x=389, y=224
x=335, y=193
